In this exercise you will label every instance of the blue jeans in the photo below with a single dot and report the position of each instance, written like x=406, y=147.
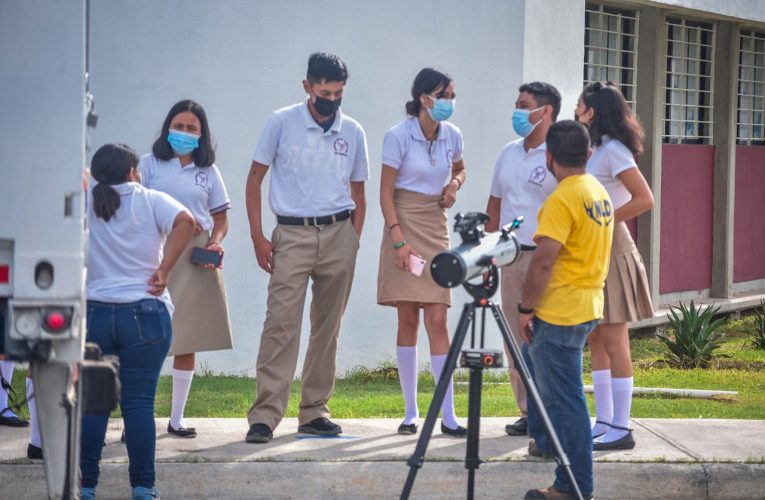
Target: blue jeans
x=140, y=334
x=554, y=359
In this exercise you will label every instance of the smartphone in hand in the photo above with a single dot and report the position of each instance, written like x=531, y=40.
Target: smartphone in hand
x=416, y=265
x=201, y=257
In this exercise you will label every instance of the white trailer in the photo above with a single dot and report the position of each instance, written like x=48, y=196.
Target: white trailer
x=43, y=73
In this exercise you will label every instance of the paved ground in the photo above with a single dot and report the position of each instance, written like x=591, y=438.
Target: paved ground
x=673, y=459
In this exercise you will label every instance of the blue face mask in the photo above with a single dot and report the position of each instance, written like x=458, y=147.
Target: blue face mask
x=442, y=108
x=182, y=143
x=521, y=123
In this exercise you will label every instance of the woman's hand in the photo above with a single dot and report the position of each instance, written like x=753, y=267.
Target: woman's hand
x=158, y=282
x=197, y=228
x=402, y=257
x=215, y=247
x=448, y=195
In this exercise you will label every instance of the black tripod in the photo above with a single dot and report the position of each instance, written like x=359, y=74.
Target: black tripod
x=477, y=360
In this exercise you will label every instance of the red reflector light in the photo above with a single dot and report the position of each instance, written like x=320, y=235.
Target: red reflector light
x=5, y=273
x=55, y=321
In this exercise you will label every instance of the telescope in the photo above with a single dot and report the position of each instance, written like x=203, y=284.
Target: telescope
x=478, y=252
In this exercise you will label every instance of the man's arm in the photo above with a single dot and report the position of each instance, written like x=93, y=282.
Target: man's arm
x=493, y=209
x=537, y=278
x=359, y=198
x=263, y=248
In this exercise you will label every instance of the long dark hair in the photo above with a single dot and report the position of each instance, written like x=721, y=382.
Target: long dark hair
x=613, y=116
x=110, y=165
x=426, y=81
x=204, y=155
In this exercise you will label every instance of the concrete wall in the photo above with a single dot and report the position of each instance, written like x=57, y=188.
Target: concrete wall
x=753, y=10
x=244, y=59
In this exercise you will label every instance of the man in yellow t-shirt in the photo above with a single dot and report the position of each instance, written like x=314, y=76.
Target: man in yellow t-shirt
x=563, y=301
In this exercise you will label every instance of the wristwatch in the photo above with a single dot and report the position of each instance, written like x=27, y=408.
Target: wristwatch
x=523, y=310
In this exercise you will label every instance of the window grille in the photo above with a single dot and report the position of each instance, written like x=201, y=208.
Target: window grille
x=610, y=47
x=751, y=88
x=689, y=82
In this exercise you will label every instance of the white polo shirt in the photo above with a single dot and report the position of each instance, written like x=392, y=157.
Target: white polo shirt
x=521, y=180
x=124, y=252
x=311, y=169
x=200, y=189
x=422, y=167
x=608, y=160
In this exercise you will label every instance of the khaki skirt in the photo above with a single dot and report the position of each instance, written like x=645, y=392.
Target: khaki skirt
x=425, y=228
x=627, y=297
x=200, y=320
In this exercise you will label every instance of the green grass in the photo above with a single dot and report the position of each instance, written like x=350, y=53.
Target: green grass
x=365, y=393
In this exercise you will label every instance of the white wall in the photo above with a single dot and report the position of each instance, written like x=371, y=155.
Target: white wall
x=244, y=59
x=753, y=10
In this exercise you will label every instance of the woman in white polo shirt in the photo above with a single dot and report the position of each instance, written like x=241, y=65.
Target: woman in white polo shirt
x=617, y=139
x=129, y=308
x=422, y=169
x=182, y=164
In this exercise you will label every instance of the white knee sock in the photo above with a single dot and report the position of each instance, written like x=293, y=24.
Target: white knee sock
x=34, y=425
x=448, y=417
x=181, y=387
x=604, y=403
x=6, y=368
x=622, y=394
x=407, y=375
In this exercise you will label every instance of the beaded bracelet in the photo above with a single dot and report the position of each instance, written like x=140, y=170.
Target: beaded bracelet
x=400, y=244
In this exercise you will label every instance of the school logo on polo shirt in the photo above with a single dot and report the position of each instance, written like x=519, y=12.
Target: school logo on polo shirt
x=340, y=146
x=538, y=175
x=201, y=179
x=449, y=157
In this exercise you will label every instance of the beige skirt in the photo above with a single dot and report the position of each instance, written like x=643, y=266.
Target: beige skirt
x=425, y=228
x=200, y=320
x=627, y=297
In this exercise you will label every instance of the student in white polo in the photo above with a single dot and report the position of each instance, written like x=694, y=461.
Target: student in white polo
x=520, y=185
x=182, y=164
x=318, y=161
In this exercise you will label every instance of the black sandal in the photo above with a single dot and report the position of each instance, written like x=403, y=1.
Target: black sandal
x=184, y=432
x=407, y=429
x=458, y=432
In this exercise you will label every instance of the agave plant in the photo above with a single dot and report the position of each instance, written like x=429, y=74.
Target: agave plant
x=694, y=335
x=758, y=329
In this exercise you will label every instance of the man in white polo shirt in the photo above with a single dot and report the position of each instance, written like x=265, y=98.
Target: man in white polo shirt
x=521, y=183
x=319, y=163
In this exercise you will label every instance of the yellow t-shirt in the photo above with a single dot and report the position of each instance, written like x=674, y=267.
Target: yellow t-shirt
x=579, y=216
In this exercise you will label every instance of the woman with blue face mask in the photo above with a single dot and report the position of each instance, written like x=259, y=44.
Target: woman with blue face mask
x=422, y=169
x=182, y=164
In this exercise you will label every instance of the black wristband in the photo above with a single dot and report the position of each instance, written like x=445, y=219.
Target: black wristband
x=523, y=310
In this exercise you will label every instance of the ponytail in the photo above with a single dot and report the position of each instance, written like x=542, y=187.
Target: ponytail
x=110, y=165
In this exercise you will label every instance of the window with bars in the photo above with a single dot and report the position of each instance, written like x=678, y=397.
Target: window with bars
x=689, y=82
x=751, y=88
x=610, y=47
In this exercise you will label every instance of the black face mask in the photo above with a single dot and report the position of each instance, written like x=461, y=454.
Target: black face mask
x=326, y=107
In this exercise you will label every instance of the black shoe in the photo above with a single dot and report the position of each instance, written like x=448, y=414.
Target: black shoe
x=123, y=439
x=407, y=429
x=34, y=452
x=12, y=420
x=458, y=432
x=321, y=426
x=184, y=432
x=519, y=428
x=259, y=433
x=626, y=442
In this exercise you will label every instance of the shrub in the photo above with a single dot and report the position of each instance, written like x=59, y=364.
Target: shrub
x=758, y=328
x=694, y=335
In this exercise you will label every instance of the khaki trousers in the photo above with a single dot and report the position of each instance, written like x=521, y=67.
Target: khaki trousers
x=513, y=279
x=327, y=255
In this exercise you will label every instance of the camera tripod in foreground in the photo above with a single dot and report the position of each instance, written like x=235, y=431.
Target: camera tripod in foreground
x=477, y=359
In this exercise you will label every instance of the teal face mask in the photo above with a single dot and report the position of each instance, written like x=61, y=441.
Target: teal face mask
x=182, y=143
x=442, y=108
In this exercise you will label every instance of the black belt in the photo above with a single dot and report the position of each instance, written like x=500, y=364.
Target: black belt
x=313, y=221
x=528, y=248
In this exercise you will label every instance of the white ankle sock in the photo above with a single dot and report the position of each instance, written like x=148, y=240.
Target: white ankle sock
x=34, y=426
x=448, y=417
x=6, y=368
x=181, y=387
x=407, y=375
x=604, y=403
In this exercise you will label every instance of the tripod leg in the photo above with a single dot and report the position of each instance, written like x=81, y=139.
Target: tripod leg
x=533, y=394
x=418, y=457
x=472, y=459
